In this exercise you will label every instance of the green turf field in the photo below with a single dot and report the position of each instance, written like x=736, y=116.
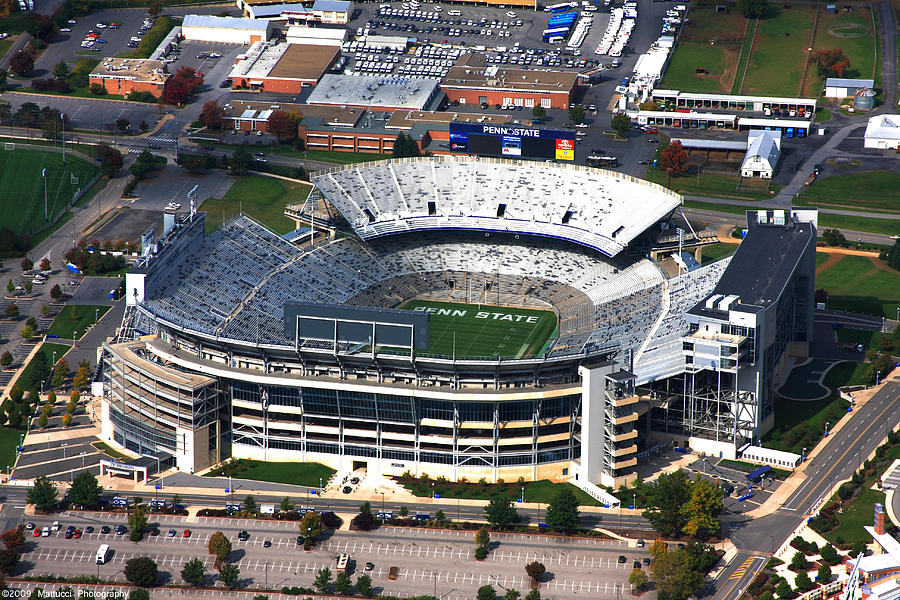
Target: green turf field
x=22, y=185
x=484, y=330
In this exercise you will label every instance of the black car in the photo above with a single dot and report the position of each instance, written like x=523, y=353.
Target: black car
x=105, y=529
x=154, y=532
x=68, y=535
x=121, y=529
x=636, y=564
x=621, y=559
x=355, y=480
x=70, y=529
x=347, y=489
x=646, y=561
x=89, y=529
x=244, y=536
x=300, y=540
x=225, y=84
x=267, y=544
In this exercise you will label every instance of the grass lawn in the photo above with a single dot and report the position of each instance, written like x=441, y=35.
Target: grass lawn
x=75, y=318
x=860, y=50
x=709, y=185
x=535, y=491
x=868, y=339
x=854, y=516
x=261, y=198
x=779, y=51
x=485, y=330
x=822, y=115
x=856, y=284
x=9, y=440
x=714, y=252
x=802, y=424
x=25, y=381
x=856, y=191
x=332, y=156
x=306, y=474
x=22, y=185
x=110, y=451
x=718, y=60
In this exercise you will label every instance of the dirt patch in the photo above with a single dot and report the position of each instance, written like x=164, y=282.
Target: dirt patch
x=832, y=260
x=730, y=59
x=705, y=25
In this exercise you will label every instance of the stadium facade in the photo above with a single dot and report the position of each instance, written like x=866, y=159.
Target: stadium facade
x=241, y=344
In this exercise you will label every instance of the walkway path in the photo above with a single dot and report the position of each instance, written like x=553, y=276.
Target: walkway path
x=887, y=22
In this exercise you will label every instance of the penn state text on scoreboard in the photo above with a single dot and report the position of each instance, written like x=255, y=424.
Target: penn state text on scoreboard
x=512, y=141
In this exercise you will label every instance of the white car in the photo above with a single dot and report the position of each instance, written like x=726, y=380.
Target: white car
x=582, y=125
x=87, y=44
x=55, y=526
x=65, y=30
x=100, y=26
x=511, y=14
x=45, y=532
x=72, y=21
x=215, y=55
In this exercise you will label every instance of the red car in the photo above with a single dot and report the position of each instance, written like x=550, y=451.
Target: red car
x=76, y=534
x=187, y=533
x=37, y=532
x=93, y=35
x=653, y=130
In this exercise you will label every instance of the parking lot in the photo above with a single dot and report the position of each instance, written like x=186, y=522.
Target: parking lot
x=272, y=555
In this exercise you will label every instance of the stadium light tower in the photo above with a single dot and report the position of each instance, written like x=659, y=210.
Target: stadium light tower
x=44, y=173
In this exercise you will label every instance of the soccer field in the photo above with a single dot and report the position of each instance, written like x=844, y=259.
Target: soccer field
x=22, y=185
x=484, y=330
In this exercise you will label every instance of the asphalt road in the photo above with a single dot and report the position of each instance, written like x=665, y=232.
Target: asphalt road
x=735, y=578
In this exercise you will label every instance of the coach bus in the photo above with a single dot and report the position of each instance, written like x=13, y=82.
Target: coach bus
x=602, y=161
x=560, y=32
x=558, y=8
x=343, y=562
x=102, y=554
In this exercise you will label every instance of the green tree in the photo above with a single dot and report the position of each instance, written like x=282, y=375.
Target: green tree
x=10, y=286
x=364, y=521
x=535, y=570
x=783, y=590
x=286, y=504
x=47, y=409
x=799, y=562
x=43, y=421
x=675, y=575
x=12, y=311
x=500, y=511
x=638, y=579
x=364, y=586
x=829, y=554
x=665, y=501
x=110, y=162
x=85, y=491
x=219, y=545
x=803, y=582
x=621, y=124
x=144, y=164
x=533, y=595
x=486, y=592
x=311, y=525
x=154, y=8
x=137, y=521
x=538, y=112
x=893, y=256
x=61, y=70
x=250, y=504
x=562, y=511
x=752, y=9
x=703, y=509
x=576, y=114
x=481, y=552
x=240, y=160
x=342, y=584
x=823, y=575
x=194, y=571
x=60, y=372
x=176, y=500
x=229, y=575
x=141, y=571
x=139, y=594
x=8, y=560
x=512, y=594
x=323, y=580
x=482, y=538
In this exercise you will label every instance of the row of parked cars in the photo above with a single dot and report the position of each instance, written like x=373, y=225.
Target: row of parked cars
x=76, y=532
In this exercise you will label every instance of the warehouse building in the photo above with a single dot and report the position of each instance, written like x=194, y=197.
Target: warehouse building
x=229, y=30
x=283, y=68
x=336, y=12
x=883, y=132
x=375, y=92
x=838, y=87
x=122, y=76
x=473, y=81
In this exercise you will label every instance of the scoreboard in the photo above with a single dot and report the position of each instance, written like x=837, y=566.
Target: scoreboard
x=512, y=141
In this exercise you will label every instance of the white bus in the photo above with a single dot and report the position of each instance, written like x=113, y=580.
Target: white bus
x=102, y=553
x=343, y=562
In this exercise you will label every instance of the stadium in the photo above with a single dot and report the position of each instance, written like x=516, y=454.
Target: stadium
x=460, y=317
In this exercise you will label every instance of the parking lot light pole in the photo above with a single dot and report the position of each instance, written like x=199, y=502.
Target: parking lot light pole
x=382, y=502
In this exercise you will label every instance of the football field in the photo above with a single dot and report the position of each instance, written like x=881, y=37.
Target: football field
x=22, y=185
x=485, y=330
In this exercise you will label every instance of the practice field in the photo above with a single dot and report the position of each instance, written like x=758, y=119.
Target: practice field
x=484, y=330
x=860, y=284
x=22, y=185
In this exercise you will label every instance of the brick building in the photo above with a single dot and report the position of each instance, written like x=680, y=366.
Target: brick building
x=122, y=76
x=284, y=68
x=473, y=81
x=252, y=116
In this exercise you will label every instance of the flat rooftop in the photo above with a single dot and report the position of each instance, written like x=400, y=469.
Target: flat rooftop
x=329, y=115
x=472, y=71
x=224, y=22
x=285, y=61
x=405, y=119
x=138, y=69
x=765, y=260
x=372, y=91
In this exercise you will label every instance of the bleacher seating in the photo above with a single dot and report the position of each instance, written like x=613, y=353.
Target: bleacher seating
x=603, y=210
